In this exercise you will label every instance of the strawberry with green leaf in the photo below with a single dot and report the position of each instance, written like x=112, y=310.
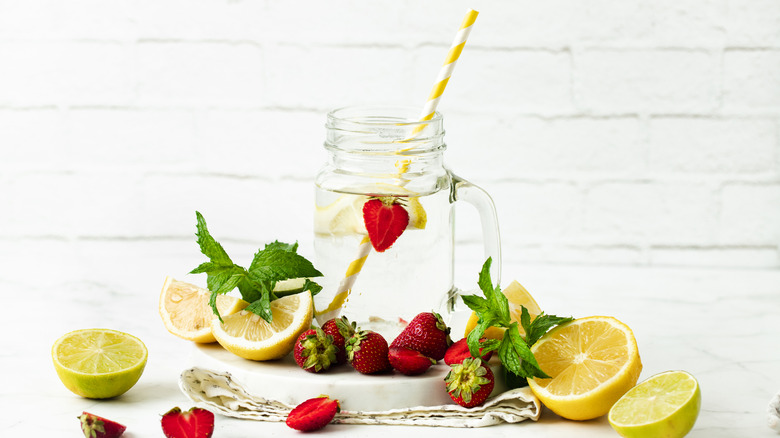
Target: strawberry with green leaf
x=514, y=349
x=276, y=262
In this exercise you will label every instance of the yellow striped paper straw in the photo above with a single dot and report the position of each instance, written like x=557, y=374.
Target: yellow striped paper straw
x=445, y=72
x=342, y=293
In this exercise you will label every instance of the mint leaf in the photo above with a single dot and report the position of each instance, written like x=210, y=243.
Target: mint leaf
x=208, y=246
x=476, y=303
x=541, y=324
x=283, y=246
x=516, y=356
x=277, y=261
x=277, y=265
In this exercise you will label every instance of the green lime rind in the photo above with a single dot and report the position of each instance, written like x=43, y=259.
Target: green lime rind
x=665, y=405
x=99, y=363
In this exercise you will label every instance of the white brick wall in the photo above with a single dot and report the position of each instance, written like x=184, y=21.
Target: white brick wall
x=608, y=131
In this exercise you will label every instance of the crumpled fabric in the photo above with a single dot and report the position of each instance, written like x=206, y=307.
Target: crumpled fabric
x=773, y=412
x=218, y=391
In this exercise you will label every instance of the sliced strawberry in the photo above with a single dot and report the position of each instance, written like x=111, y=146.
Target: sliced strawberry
x=313, y=414
x=99, y=427
x=195, y=423
x=385, y=221
x=409, y=362
x=460, y=351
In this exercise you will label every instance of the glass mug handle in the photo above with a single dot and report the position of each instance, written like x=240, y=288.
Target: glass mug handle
x=463, y=190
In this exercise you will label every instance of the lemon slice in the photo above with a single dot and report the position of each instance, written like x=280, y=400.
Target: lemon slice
x=517, y=296
x=185, y=310
x=99, y=363
x=666, y=404
x=592, y=361
x=251, y=337
x=344, y=216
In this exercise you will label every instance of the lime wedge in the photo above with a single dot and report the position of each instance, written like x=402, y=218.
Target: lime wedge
x=667, y=404
x=99, y=363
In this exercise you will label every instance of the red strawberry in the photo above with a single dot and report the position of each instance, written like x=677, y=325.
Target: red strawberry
x=195, y=423
x=385, y=221
x=341, y=330
x=314, y=350
x=99, y=427
x=428, y=334
x=470, y=383
x=313, y=414
x=409, y=362
x=460, y=350
x=367, y=352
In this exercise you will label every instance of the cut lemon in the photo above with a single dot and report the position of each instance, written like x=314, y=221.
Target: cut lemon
x=517, y=296
x=666, y=404
x=185, y=310
x=344, y=216
x=99, y=363
x=251, y=337
x=592, y=361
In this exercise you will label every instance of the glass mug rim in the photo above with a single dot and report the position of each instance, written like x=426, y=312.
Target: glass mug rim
x=383, y=129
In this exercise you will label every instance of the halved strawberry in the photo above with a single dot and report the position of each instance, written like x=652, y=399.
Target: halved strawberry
x=195, y=423
x=99, y=427
x=313, y=414
x=385, y=219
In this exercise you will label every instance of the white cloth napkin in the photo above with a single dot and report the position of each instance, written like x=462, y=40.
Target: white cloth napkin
x=217, y=390
x=773, y=412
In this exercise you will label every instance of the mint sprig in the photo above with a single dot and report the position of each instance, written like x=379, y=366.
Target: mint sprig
x=277, y=261
x=493, y=311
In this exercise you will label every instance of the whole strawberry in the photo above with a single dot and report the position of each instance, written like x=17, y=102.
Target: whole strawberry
x=341, y=330
x=409, y=362
x=470, y=383
x=195, y=423
x=367, y=352
x=314, y=350
x=313, y=414
x=460, y=351
x=99, y=427
x=426, y=333
x=385, y=219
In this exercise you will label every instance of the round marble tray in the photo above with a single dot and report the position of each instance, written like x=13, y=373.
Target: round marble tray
x=282, y=380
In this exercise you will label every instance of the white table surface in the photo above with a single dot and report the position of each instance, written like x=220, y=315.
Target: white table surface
x=721, y=325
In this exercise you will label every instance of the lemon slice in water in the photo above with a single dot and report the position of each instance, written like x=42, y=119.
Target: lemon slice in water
x=99, y=363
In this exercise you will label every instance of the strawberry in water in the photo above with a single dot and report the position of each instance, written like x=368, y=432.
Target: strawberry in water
x=313, y=414
x=341, y=330
x=195, y=423
x=99, y=427
x=470, y=383
x=367, y=352
x=426, y=333
x=460, y=351
x=314, y=350
x=409, y=362
x=385, y=219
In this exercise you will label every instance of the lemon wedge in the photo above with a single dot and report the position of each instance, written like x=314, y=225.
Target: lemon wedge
x=517, y=296
x=185, y=311
x=251, y=337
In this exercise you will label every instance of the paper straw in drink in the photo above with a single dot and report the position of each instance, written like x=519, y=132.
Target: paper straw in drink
x=429, y=110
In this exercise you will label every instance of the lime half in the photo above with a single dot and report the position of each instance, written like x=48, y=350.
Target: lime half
x=665, y=405
x=99, y=363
